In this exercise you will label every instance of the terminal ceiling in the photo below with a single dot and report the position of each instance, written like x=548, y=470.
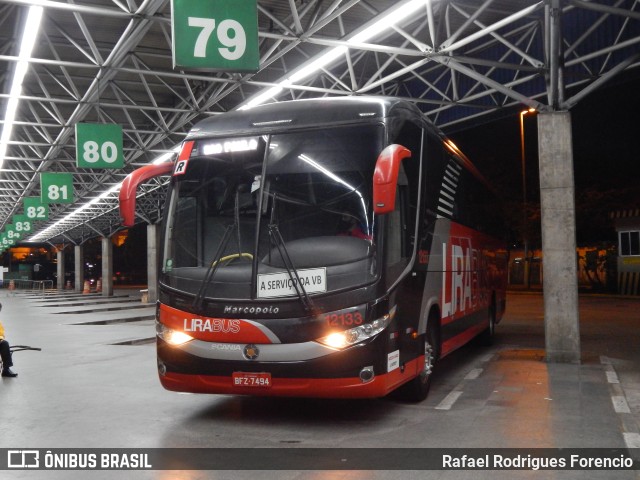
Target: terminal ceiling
x=109, y=61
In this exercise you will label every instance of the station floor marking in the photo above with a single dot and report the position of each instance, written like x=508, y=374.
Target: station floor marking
x=612, y=376
x=632, y=439
x=448, y=401
x=630, y=427
x=620, y=404
x=451, y=398
x=473, y=374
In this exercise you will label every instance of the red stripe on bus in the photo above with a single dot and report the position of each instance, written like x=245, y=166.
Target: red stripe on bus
x=221, y=330
x=462, y=339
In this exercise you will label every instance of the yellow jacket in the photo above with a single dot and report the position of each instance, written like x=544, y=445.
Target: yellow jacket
x=1, y=331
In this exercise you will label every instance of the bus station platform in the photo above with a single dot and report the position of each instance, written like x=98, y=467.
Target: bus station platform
x=94, y=386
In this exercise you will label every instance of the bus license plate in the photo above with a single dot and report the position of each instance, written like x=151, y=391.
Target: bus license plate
x=246, y=379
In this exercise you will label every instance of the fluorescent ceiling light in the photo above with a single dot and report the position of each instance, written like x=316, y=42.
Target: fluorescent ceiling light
x=29, y=35
x=386, y=22
x=263, y=97
x=115, y=189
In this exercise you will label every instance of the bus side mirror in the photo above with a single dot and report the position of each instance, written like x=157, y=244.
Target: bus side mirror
x=130, y=184
x=129, y=187
x=385, y=178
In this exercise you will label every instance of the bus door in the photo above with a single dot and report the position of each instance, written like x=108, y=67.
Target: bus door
x=404, y=284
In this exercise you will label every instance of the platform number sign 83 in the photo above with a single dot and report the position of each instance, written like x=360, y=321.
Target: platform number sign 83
x=22, y=224
x=99, y=145
x=219, y=35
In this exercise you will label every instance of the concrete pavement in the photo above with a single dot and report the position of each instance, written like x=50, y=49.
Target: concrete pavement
x=94, y=385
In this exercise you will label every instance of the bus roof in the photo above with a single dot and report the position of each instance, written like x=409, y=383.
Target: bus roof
x=318, y=112
x=296, y=114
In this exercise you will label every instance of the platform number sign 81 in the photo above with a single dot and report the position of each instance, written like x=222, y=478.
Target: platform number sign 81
x=219, y=35
x=56, y=187
x=99, y=145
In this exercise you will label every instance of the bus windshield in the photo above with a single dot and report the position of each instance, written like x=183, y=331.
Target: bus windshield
x=266, y=216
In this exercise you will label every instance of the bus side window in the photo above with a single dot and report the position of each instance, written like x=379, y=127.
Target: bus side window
x=396, y=229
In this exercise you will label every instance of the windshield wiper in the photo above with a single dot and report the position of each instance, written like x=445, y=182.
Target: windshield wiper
x=276, y=237
x=226, y=237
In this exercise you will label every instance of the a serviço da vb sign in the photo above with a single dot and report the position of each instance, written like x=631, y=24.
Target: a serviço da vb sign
x=219, y=35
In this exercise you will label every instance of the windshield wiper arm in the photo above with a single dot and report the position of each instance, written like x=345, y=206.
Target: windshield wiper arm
x=226, y=237
x=274, y=234
x=208, y=276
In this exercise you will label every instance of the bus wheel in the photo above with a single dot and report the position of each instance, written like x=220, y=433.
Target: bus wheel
x=417, y=389
x=486, y=337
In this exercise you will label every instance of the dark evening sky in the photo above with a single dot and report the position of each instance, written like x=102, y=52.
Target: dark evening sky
x=606, y=142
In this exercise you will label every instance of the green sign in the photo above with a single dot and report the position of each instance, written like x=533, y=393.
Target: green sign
x=99, y=145
x=22, y=224
x=56, y=187
x=11, y=233
x=35, y=210
x=6, y=242
x=215, y=35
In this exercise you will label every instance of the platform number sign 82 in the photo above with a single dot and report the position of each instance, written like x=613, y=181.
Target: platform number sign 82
x=35, y=210
x=220, y=35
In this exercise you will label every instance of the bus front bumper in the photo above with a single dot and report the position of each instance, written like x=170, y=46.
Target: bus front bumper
x=344, y=387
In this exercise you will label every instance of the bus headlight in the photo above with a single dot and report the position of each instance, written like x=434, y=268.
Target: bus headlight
x=172, y=337
x=352, y=336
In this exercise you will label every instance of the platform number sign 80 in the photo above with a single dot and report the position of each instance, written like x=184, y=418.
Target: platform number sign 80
x=99, y=145
x=220, y=35
x=93, y=152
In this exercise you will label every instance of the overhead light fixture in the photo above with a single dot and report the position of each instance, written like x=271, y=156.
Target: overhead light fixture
x=114, y=189
x=389, y=20
x=29, y=35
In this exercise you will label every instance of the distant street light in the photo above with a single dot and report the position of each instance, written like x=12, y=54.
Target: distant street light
x=525, y=226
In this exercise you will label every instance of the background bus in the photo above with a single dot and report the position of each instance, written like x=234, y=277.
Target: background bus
x=327, y=248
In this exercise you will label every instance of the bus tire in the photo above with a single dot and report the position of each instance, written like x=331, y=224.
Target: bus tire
x=486, y=337
x=416, y=390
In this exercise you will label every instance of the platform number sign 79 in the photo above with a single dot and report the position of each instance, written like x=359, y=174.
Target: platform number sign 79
x=215, y=35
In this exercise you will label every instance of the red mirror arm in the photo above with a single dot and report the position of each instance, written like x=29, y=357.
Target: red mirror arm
x=130, y=186
x=385, y=177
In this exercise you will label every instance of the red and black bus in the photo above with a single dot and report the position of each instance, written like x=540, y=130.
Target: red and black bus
x=326, y=248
